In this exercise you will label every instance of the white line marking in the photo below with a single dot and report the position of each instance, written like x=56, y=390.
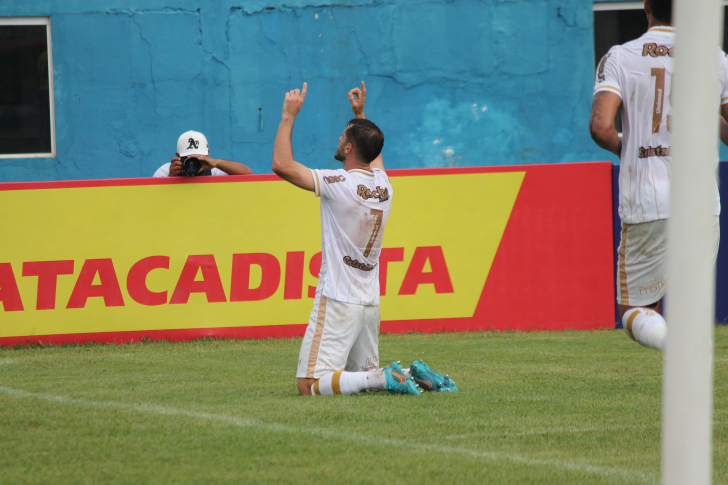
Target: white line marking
x=355, y=437
x=549, y=431
x=9, y=361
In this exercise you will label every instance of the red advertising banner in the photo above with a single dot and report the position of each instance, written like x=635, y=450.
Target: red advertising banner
x=503, y=248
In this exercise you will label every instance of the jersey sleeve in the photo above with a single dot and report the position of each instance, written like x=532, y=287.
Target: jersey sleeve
x=217, y=172
x=329, y=183
x=607, y=75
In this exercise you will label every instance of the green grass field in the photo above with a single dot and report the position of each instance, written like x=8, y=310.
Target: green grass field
x=533, y=408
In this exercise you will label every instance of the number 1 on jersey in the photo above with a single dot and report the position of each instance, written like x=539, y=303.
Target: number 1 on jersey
x=379, y=214
x=658, y=108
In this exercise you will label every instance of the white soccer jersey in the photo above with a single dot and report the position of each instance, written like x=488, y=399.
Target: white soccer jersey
x=640, y=72
x=354, y=210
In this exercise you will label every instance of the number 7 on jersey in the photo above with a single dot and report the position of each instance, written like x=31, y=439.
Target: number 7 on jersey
x=379, y=214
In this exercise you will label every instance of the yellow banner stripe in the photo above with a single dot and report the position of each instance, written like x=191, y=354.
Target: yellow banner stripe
x=241, y=273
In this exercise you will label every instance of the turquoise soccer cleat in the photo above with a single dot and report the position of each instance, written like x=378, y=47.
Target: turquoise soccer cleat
x=398, y=382
x=429, y=380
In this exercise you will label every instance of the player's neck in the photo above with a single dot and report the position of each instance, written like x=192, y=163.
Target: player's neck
x=653, y=22
x=352, y=163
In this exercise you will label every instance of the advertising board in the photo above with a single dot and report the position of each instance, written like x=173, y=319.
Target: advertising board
x=520, y=248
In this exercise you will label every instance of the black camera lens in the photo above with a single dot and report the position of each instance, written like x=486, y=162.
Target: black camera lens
x=190, y=166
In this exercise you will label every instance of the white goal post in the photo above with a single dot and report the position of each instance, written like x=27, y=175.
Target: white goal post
x=687, y=394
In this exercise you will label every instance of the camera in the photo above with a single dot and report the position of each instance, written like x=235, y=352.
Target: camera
x=190, y=166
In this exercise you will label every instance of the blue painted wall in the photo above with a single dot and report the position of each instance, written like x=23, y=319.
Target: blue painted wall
x=451, y=82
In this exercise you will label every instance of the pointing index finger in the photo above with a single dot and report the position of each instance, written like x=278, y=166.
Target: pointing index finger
x=305, y=88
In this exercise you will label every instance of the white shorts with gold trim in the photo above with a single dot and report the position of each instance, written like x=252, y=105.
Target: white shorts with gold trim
x=340, y=336
x=642, y=262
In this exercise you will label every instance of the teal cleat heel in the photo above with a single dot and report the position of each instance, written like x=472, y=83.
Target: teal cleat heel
x=398, y=382
x=429, y=380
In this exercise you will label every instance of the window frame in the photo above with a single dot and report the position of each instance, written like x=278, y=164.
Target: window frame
x=607, y=5
x=22, y=21
x=602, y=6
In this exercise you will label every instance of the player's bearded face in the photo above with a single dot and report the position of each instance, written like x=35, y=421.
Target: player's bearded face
x=340, y=154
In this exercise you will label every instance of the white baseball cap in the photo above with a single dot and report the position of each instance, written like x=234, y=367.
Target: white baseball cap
x=192, y=143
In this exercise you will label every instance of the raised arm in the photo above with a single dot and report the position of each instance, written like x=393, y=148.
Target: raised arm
x=283, y=163
x=601, y=124
x=358, y=98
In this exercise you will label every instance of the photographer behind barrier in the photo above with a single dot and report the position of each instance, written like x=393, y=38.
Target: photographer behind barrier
x=192, y=160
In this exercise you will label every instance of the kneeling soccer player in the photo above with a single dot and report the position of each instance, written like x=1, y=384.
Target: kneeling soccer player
x=340, y=350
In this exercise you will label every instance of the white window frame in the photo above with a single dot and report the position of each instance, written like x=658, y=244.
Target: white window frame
x=51, y=93
x=600, y=6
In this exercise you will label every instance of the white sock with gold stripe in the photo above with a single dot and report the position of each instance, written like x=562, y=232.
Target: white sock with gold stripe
x=646, y=327
x=348, y=383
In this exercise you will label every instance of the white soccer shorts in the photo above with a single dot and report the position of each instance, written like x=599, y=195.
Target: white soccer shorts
x=340, y=336
x=642, y=262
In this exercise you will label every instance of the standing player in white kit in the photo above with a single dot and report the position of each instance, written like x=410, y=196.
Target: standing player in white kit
x=340, y=350
x=638, y=75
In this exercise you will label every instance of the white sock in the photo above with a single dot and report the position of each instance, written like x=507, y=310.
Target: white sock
x=348, y=383
x=376, y=380
x=646, y=327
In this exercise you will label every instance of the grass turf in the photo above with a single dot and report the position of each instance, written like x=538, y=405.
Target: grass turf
x=533, y=408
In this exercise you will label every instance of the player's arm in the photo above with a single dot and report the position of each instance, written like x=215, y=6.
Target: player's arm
x=227, y=166
x=283, y=163
x=724, y=124
x=358, y=98
x=601, y=123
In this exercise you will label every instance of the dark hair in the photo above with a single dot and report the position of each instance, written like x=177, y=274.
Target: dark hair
x=366, y=137
x=661, y=10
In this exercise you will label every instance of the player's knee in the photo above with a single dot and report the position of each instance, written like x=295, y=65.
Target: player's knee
x=656, y=306
x=304, y=386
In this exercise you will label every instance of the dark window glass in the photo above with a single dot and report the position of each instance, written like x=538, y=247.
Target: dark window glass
x=25, y=125
x=613, y=27
x=725, y=31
